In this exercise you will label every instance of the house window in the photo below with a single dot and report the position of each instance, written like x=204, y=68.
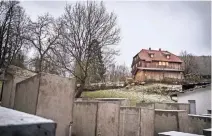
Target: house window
x=163, y=63
x=152, y=55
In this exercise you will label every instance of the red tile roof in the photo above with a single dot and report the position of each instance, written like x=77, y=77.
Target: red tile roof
x=159, y=55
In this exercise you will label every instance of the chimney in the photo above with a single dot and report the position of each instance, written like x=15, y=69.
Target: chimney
x=150, y=49
x=159, y=49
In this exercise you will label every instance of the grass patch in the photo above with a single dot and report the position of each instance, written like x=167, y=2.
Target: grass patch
x=134, y=97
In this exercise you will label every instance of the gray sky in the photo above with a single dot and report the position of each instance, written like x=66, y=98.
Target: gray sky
x=170, y=25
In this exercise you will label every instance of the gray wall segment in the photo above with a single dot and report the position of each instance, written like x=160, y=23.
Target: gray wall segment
x=55, y=101
x=84, y=119
x=146, y=105
x=9, y=87
x=183, y=121
x=172, y=106
x=121, y=101
x=108, y=119
x=147, y=121
x=26, y=95
x=129, y=124
x=6, y=93
x=165, y=121
x=198, y=123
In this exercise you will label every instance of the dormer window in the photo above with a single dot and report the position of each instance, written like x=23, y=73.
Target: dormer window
x=151, y=54
x=167, y=56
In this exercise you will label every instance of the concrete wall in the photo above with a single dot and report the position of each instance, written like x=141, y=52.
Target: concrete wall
x=170, y=120
x=120, y=101
x=146, y=105
x=108, y=119
x=147, y=120
x=26, y=95
x=172, y=106
x=201, y=96
x=165, y=106
x=84, y=119
x=95, y=118
x=6, y=93
x=198, y=123
x=55, y=101
x=15, y=123
x=9, y=88
x=129, y=121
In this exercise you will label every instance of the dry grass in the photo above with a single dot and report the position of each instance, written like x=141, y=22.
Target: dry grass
x=134, y=95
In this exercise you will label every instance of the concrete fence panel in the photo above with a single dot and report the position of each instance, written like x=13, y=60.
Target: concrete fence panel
x=55, y=101
x=147, y=120
x=146, y=105
x=129, y=124
x=197, y=123
x=173, y=106
x=169, y=120
x=84, y=119
x=183, y=121
x=49, y=96
x=26, y=95
x=108, y=119
x=120, y=101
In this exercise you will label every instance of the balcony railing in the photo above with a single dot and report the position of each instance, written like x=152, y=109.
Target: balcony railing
x=163, y=66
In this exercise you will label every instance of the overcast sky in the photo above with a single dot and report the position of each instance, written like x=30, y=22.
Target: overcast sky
x=170, y=25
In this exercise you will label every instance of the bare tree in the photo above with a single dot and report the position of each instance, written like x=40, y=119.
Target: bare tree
x=117, y=73
x=86, y=28
x=13, y=26
x=43, y=35
x=189, y=63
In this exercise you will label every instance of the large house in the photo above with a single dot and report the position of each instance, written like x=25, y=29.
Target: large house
x=156, y=65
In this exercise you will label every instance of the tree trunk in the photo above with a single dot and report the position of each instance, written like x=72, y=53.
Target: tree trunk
x=80, y=90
